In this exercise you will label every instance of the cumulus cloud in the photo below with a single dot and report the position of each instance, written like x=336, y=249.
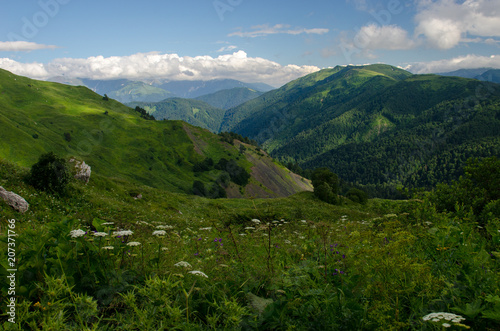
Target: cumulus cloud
x=390, y=37
x=265, y=29
x=22, y=46
x=470, y=61
x=154, y=65
x=446, y=23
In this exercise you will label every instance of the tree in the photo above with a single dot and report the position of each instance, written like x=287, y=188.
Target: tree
x=199, y=188
x=50, y=174
x=326, y=185
x=357, y=195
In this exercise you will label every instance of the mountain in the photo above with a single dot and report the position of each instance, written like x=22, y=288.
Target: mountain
x=194, y=112
x=465, y=73
x=72, y=121
x=230, y=98
x=492, y=75
x=376, y=124
x=197, y=88
x=139, y=92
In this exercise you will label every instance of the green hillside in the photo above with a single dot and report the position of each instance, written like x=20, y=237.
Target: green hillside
x=139, y=92
x=194, y=112
x=230, y=98
x=37, y=117
x=376, y=124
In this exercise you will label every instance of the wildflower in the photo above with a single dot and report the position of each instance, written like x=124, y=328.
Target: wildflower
x=198, y=273
x=108, y=247
x=134, y=243
x=243, y=234
x=446, y=325
x=164, y=248
x=122, y=233
x=108, y=223
x=206, y=229
x=287, y=241
x=159, y=233
x=182, y=264
x=256, y=221
x=77, y=233
x=164, y=227
x=249, y=228
x=304, y=221
x=100, y=234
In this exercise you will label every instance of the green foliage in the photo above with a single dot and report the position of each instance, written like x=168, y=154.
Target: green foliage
x=357, y=195
x=325, y=184
x=144, y=113
x=478, y=188
x=229, y=137
x=50, y=173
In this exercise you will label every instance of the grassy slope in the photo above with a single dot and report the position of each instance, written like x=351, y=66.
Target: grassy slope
x=117, y=144
x=194, y=112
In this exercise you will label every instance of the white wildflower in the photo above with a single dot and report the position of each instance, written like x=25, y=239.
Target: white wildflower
x=287, y=241
x=183, y=264
x=77, y=233
x=159, y=233
x=304, y=221
x=256, y=221
x=122, y=233
x=446, y=325
x=164, y=227
x=100, y=234
x=243, y=234
x=108, y=223
x=198, y=273
x=206, y=229
x=164, y=248
x=108, y=247
x=134, y=243
x=249, y=228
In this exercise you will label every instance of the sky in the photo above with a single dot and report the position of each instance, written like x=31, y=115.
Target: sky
x=270, y=41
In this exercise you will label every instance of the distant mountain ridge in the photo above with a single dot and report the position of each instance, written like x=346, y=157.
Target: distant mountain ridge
x=125, y=90
x=483, y=74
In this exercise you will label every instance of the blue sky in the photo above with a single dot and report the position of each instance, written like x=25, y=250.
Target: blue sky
x=250, y=40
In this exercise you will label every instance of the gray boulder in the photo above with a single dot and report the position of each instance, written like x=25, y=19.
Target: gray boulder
x=15, y=201
x=82, y=170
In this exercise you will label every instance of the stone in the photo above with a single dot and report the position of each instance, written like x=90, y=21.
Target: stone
x=14, y=200
x=83, y=170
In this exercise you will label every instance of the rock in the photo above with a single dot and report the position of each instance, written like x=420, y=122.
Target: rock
x=15, y=201
x=82, y=170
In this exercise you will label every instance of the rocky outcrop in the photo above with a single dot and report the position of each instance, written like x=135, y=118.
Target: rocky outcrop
x=82, y=170
x=14, y=200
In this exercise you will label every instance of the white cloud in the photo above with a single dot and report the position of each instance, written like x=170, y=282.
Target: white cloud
x=446, y=23
x=391, y=37
x=470, y=61
x=265, y=29
x=147, y=66
x=22, y=46
x=227, y=48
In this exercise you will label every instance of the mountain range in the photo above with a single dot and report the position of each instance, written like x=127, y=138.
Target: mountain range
x=118, y=143
x=126, y=91
x=377, y=124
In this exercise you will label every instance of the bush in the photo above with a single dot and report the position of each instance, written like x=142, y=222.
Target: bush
x=49, y=174
x=357, y=195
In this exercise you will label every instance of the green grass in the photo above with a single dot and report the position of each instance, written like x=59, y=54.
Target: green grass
x=307, y=265
x=37, y=117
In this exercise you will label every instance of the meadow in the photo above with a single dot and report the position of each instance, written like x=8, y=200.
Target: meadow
x=98, y=259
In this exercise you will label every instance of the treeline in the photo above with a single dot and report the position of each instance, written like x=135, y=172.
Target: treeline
x=229, y=137
x=230, y=172
x=144, y=114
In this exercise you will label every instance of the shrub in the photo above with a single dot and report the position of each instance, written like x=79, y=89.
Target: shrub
x=49, y=174
x=357, y=195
